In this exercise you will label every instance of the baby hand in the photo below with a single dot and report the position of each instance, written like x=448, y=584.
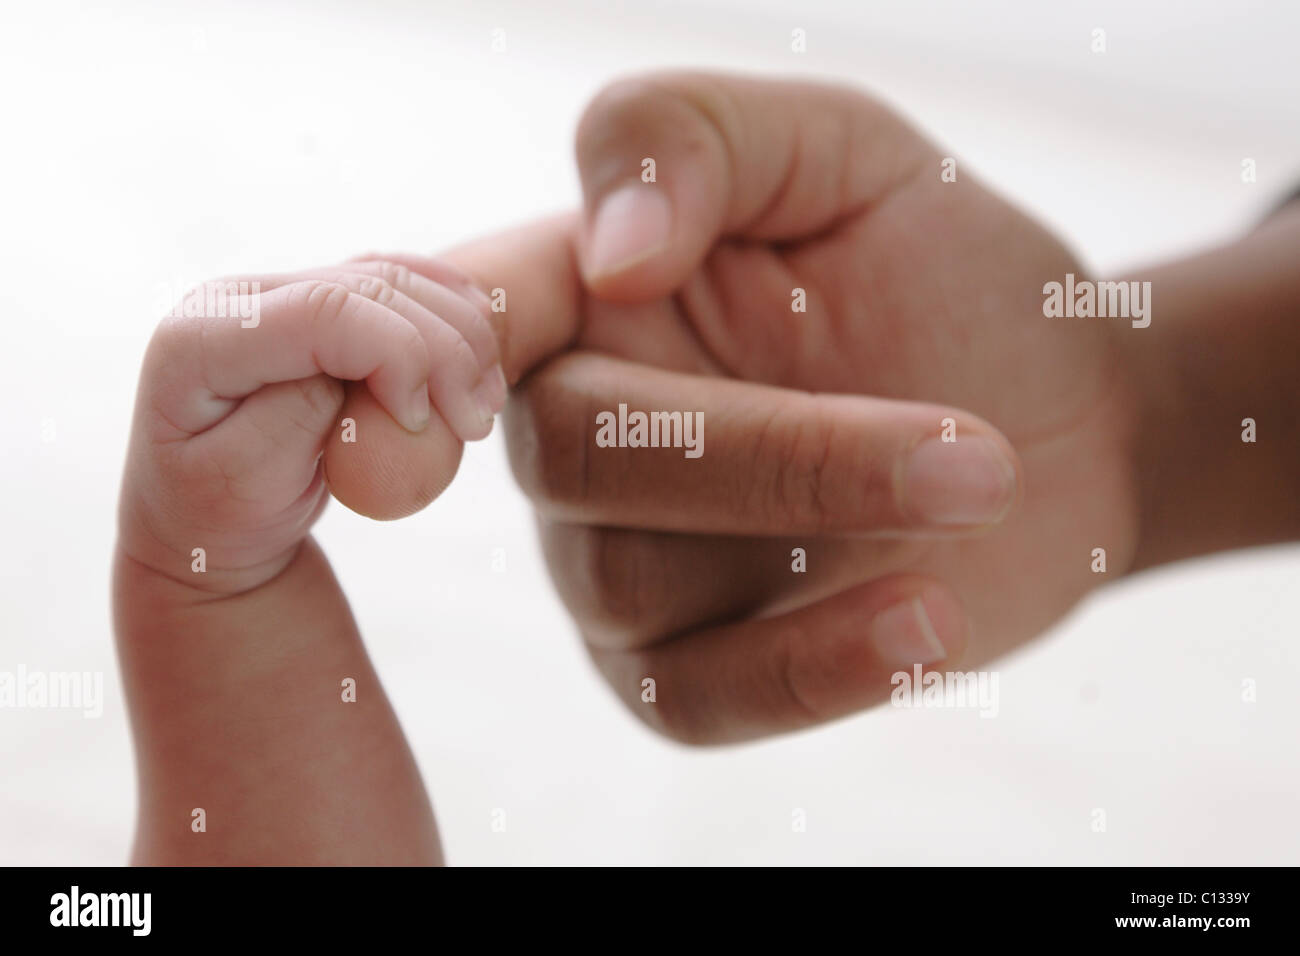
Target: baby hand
x=252, y=409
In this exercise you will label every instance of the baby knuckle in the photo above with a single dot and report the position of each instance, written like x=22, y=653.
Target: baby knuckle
x=377, y=290
x=395, y=274
x=324, y=300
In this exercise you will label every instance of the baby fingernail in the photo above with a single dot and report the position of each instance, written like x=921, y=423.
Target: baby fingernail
x=970, y=481
x=489, y=397
x=905, y=633
x=491, y=392
x=630, y=225
x=417, y=412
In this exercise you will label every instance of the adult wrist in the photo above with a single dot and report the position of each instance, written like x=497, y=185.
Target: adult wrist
x=1216, y=450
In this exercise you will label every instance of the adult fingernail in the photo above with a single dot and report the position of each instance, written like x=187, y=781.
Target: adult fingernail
x=631, y=224
x=969, y=481
x=906, y=633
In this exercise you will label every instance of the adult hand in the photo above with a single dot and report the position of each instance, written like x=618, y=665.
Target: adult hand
x=823, y=427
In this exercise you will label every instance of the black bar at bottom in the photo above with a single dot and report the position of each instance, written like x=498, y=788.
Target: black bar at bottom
x=1166, y=906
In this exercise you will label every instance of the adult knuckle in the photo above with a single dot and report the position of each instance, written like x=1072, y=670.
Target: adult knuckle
x=789, y=673
x=680, y=108
x=616, y=100
x=615, y=574
x=791, y=458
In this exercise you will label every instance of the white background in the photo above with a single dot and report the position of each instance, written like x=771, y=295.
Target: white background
x=150, y=145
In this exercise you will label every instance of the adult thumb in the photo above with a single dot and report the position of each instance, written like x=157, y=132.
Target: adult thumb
x=670, y=163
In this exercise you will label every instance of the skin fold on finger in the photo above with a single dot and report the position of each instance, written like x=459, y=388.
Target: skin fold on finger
x=197, y=369
x=467, y=394
x=628, y=588
x=467, y=397
x=379, y=469
x=438, y=270
x=740, y=681
x=457, y=301
x=745, y=459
